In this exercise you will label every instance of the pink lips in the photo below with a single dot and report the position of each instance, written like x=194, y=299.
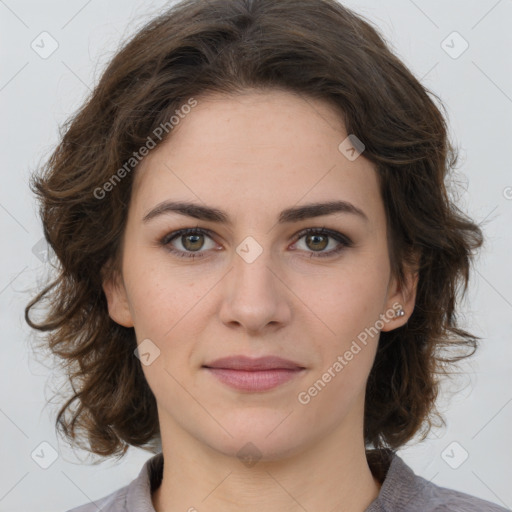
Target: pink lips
x=249, y=374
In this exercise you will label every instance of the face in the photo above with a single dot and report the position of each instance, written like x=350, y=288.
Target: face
x=257, y=275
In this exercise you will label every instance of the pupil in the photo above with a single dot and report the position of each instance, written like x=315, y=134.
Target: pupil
x=195, y=238
x=316, y=243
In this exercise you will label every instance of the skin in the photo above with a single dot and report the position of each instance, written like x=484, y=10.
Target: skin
x=253, y=155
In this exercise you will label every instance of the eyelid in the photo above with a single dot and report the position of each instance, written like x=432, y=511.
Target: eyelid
x=343, y=240
x=333, y=233
x=185, y=231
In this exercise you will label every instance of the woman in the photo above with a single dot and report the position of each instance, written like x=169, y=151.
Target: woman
x=259, y=264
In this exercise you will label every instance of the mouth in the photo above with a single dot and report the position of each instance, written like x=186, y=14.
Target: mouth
x=254, y=375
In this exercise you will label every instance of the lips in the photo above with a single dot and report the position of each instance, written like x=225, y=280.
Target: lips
x=253, y=375
x=254, y=364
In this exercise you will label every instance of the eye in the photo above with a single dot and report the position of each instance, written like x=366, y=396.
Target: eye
x=318, y=240
x=192, y=240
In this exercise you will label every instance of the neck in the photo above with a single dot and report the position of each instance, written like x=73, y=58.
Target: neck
x=331, y=474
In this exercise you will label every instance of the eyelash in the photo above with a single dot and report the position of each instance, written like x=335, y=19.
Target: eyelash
x=343, y=240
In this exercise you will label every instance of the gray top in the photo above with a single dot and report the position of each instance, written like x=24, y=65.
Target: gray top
x=401, y=491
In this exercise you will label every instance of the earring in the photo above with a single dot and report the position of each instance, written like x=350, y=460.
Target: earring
x=399, y=313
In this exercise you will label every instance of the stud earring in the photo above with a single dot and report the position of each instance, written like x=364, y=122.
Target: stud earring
x=399, y=313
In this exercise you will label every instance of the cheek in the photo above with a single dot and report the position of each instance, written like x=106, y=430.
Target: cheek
x=348, y=296
x=162, y=313
x=159, y=295
x=165, y=307
x=348, y=306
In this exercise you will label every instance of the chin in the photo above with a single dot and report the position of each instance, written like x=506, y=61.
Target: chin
x=258, y=439
x=250, y=450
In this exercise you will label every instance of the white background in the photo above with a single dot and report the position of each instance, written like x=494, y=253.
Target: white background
x=37, y=95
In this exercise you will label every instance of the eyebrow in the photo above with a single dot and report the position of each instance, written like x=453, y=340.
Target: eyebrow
x=295, y=214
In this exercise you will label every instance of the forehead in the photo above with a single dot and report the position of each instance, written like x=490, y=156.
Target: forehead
x=256, y=153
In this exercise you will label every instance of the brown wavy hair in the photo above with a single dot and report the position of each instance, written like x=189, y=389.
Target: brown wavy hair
x=320, y=50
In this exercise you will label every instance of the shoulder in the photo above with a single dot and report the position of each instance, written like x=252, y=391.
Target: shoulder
x=443, y=499
x=404, y=491
x=115, y=502
x=135, y=496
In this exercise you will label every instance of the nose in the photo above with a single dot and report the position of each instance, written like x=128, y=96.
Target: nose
x=254, y=296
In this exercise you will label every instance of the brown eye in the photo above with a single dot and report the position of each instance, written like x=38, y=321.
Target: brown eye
x=317, y=242
x=188, y=243
x=192, y=242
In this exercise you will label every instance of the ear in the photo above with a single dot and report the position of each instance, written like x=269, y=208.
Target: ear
x=117, y=299
x=402, y=297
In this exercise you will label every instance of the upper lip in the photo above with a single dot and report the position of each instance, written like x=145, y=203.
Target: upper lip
x=250, y=363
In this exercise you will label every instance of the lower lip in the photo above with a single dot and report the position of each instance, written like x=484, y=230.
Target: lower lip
x=258, y=380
